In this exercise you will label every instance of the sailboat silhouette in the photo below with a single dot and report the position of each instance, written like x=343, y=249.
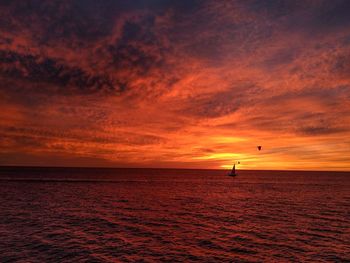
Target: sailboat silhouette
x=233, y=171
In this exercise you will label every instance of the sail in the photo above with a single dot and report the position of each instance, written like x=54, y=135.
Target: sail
x=233, y=172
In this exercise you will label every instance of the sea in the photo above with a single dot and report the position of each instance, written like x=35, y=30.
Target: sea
x=173, y=215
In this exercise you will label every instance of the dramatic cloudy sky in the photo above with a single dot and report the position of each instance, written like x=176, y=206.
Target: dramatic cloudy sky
x=160, y=83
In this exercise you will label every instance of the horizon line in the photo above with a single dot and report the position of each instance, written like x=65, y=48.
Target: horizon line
x=166, y=168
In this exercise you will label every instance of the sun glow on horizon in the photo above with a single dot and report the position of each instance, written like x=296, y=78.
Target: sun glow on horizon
x=133, y=88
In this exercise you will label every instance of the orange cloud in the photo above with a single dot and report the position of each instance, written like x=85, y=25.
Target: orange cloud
x=175, y=85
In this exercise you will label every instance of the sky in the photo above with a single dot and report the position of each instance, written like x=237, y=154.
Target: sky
x=183, y=84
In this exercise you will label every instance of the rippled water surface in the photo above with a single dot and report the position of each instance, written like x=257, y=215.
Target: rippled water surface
x=111, y=215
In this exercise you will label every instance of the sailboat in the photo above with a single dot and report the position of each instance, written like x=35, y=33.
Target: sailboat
x=233, y=172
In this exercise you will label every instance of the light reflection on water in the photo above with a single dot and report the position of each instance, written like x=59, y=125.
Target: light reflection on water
x=173, y=215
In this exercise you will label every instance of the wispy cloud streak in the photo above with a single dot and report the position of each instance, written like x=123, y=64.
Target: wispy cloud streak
x=175, y=84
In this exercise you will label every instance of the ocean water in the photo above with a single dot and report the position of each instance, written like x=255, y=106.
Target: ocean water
x=163, y=215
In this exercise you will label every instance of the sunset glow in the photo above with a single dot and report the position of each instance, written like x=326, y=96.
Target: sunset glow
x=180, y=84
